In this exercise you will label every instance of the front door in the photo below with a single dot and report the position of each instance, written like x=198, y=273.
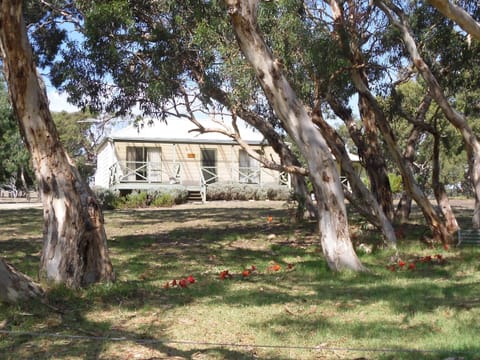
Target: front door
x=154, y=164
x=209, y=165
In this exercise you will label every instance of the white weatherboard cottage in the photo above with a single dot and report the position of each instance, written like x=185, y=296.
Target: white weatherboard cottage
x=168, y=154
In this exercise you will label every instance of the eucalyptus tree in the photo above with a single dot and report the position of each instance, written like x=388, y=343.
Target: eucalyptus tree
x=333, y=223
x=74, y=246
x=446, y=54
x=428, y=142
x=353, y=32
x=149, y=54
x=458, y=14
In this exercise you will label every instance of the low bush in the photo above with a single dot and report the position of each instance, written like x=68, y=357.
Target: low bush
x=111, y=200
x=234, y=191
x=107, y=198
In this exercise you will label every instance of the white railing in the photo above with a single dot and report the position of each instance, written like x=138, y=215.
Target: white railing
x=249, y=175
x=143, y=171
x=209, y=174
x=171, y=173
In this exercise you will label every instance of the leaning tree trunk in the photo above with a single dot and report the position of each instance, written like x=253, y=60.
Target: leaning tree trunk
x=373, y=158
x=404, y=207
x=333, y=223
x=363, y=200
x=74, y=240
x=274, y=139
x=367, y=142
x=15, y=286
x=472, y=145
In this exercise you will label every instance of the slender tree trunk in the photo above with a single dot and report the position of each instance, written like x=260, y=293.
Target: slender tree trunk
x=367, y=143
x=460, y=16
x=404, y=208
x=333, y=223
x=15, y=286
x=286, y=155
x=363, y=200
x=74, y=240
x=374, y=161
x=439, y=189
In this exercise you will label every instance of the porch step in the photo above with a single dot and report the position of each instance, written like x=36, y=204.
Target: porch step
x=194, y=195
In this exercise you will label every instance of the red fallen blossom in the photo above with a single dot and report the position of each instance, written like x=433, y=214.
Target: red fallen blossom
x=191, y=279
x=253, y=268
x=411, y=266
x=290, y=266
x=270, y=219
x=393, y=268
x=225, y=275
x=174, y=282
x=446, y=247
x=439, y=256
x=426, y=259
x=246, y=273
x=275, y=267
x=401, y=263
x=183, y=283
x=166, y=285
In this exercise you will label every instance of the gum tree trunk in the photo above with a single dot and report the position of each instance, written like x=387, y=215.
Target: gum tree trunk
x=367, y=141
x=74, y=240
x=15, y=286
x=472, y=145
x=332, y=216
x=362, y=199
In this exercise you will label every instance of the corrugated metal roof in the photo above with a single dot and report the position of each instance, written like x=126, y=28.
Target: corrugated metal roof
x=179, y=130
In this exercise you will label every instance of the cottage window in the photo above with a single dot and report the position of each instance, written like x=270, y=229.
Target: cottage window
x=209, y=165
x=248, y=168
x=144, y=164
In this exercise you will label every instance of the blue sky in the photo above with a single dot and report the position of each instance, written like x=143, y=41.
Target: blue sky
x=58, y=101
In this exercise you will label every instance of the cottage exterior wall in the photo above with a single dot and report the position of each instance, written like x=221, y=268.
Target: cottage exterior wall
x=188, y=156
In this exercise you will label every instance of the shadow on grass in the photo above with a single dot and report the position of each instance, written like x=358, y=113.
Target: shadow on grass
x=69, y=335
x=236, y=238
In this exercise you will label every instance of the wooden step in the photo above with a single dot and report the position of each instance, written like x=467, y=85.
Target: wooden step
x=194, y=195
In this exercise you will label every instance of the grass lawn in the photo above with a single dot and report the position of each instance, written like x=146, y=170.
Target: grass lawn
x=290, y=307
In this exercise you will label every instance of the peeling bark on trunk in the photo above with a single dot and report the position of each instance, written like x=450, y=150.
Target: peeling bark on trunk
x=472, y=145
x=367, y=143
x=74, y=247
x=439, y=189
x=15, y=286
x=374, y=161
x=435, y=223
x=363, y=201
x=404, y=208
x=333, y=223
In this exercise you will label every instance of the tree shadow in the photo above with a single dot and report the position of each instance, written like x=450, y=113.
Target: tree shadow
x=145, y=261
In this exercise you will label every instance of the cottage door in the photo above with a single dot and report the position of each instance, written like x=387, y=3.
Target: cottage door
x=209, y=165
x=154, y=165
x=248, y=168
x=130, y=164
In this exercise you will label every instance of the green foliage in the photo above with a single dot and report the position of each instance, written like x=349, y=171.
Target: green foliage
x=107, y=198
x=396, y=183
x=164, y=200
x=136, y=199
x=235, y=191
x=111, y=200
x=79, y=139
x=14, y=157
